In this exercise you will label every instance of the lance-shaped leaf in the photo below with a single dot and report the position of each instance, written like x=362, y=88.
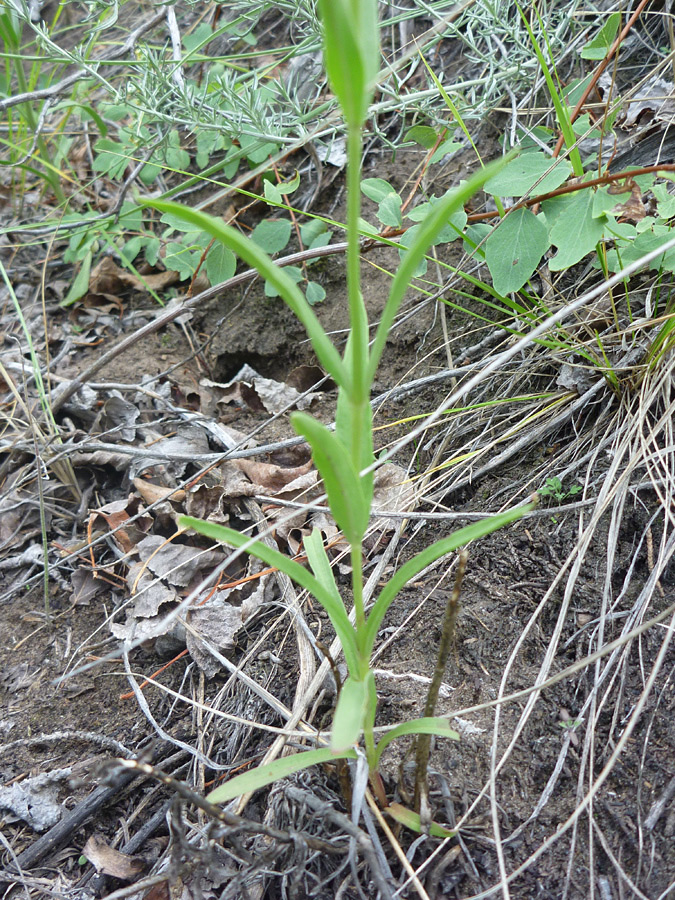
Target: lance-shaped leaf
x=332, y=604
x=256, y=257
x=434, y=222
x=268, y=774
x=427, y=725
x=345, y=489
x=411, y=820
x=351, y=52
x=429, y=555
x=349, y=713
x=319, y=563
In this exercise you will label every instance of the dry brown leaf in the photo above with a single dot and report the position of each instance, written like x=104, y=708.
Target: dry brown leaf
x=219, y=620
x=109, y=279
x=112, y=862
x=632, y=210
x=118, y=512
x=270, y=478
x=151, y=493
x=656, y=97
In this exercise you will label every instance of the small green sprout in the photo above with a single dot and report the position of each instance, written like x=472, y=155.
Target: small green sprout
x=554, y=488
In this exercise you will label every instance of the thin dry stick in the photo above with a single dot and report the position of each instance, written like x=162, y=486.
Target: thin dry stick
x=447, y=637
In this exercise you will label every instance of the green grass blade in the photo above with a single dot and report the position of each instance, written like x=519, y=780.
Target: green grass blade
x=430, y=554
x=280, y=768
x=259, y=260
x=561, y=110
x=432, y=225
x=333, y=606
x=427, y=725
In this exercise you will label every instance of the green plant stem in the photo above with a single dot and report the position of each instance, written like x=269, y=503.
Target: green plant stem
x=357, y=310
x=356, y=552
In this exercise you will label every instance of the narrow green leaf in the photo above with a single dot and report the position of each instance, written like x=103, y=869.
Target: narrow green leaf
x=432, y=225
x=430, y=554
x=178, y=223
x=319, y=562
x=426, y=725
x=259, y=260
x=332, y=604
x=348, y=503
x=514, y=250
x=411, y=820
x=349, y=713
x=274, y=771
x=351, y=52
x=354, y=425
x=80, y=285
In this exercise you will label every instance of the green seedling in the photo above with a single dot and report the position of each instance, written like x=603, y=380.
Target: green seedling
x=345, y=457
x=554, y=489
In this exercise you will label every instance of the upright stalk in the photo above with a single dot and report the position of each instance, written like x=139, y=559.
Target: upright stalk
x=357, y=310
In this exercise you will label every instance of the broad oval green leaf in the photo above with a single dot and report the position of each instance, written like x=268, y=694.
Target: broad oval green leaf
x=376, y=189
x=220, y=264
x=514, y=250
x=272, y=234
x=576, y=231
x=521, y=175
x=389, y=211
x=274, y=771
x=315, y=292
x=421, y=134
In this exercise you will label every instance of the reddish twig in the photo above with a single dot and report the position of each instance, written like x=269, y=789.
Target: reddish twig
x=601, y=68
x=577, y=186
